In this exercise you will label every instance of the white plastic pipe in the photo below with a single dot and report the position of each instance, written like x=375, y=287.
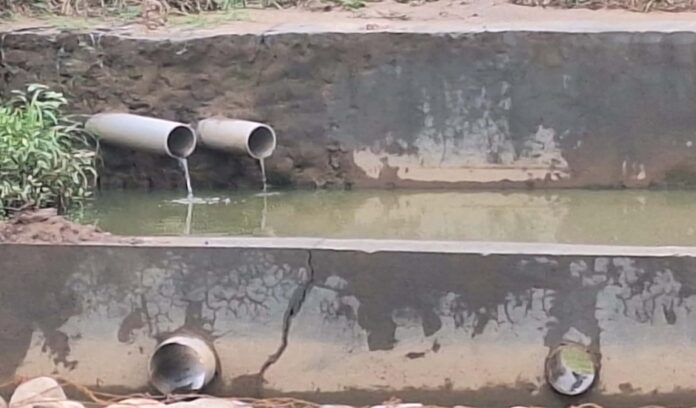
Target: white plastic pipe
x=182, y=363
x=144, y=133
x=258, y=140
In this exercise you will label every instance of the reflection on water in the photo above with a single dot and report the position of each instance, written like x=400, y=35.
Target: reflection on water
x=599, y=217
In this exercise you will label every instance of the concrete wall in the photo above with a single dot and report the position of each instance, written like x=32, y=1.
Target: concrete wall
x=357, y=321
x=515, y=109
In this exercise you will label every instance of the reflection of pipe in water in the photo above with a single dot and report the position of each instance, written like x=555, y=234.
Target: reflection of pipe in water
x=144, y=133
x=258, y=140
x=182, y=363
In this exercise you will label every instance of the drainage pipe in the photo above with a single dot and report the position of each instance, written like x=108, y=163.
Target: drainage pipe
x=182, y=363
x=144, y=133
x=258, y=140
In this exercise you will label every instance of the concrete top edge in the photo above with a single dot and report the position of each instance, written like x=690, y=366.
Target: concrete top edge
x=453, y=28
x=373, y=246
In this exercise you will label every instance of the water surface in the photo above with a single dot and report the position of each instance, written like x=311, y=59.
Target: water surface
x=592, y=217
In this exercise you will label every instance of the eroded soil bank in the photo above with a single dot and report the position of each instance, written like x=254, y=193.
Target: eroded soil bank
x=392, y=109
x=45, y=226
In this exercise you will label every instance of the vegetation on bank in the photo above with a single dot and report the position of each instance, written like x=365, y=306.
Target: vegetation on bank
x=151, y=10
x=633, y=5
x=46, y=160
x=129, y=9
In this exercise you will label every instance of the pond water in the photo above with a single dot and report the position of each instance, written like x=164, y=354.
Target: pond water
x=575, y=216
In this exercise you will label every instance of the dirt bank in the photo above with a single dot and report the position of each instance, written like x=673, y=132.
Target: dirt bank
x=48, y=227
x=394, y=95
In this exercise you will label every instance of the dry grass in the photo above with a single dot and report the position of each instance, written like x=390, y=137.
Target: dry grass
x=633, y=5
x=152, y=13
x=101, y=8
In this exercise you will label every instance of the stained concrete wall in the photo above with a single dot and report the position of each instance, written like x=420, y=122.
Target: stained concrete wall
x=509, y=108
x=357, y=321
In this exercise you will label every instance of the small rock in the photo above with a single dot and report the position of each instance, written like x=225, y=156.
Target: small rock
x=210, y=403
x=334, y=162
x=37, y=391
x=137, y=402
x=333, y=148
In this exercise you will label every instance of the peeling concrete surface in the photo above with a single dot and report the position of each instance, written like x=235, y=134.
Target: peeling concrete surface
x=446, y=323
x=102, y=306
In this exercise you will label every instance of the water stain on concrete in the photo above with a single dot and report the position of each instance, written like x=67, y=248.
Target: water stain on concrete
x=351, y=326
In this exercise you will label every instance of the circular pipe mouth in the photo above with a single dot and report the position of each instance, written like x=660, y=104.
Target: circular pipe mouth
x=181, y=142
x=571, y=369
x=182, y=364
x=261, y=142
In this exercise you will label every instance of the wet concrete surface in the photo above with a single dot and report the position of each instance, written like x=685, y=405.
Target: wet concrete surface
x=460, y=326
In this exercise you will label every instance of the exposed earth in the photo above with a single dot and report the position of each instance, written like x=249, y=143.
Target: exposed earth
x=46, y=226
x=299, y=71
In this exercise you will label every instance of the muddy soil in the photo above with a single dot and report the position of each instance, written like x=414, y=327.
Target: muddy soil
x=45, y=226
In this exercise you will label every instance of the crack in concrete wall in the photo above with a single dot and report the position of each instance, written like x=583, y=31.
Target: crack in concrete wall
x=294, y=306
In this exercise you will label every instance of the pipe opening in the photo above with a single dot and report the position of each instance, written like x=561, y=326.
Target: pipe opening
x=261, y=142
x=181, y=142
x=184, y=364
x=571, y=369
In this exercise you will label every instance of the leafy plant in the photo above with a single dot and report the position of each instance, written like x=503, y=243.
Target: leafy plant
x=46, y=159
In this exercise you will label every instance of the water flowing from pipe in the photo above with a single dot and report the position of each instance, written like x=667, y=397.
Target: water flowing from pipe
x=263, y=175
x=184, y=165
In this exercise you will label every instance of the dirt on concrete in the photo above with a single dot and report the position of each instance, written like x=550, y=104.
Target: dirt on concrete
x=46, y=226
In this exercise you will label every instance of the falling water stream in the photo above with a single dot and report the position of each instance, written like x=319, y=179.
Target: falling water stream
x=263, y=175
x=184, y=165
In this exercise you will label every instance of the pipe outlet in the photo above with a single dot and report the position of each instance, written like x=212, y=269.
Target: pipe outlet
x=257, y=140
x=144, y=133
x=182, y=363
x=571, y=369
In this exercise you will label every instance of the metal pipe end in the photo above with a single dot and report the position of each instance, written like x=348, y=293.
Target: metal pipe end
x=571, y=368
x=182, y=363
x=181, y=142
x=261, y=142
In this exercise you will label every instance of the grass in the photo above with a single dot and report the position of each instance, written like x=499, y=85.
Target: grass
x=351, y=4
x=202, y=20
x=633, y=5
x=57, y=11
x=47, y=159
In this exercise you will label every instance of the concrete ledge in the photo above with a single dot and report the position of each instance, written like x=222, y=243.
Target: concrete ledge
x=357, y=321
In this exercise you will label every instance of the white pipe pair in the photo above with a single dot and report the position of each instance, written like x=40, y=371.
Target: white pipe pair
x=178, y=140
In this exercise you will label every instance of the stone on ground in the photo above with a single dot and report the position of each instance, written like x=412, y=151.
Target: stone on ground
x=37, y=391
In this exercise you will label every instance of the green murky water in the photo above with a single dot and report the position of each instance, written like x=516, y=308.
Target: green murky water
x=597, y=217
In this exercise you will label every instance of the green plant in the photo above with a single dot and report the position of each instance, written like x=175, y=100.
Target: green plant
x=351, y=4
x=46, y=159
